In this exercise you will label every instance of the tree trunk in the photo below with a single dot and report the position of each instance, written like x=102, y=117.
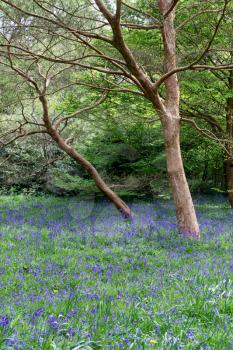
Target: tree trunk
x=229, y=147
x=185, y=212
x=169, y=111
x=63, y=145
x=103, y=187
x=229, y=180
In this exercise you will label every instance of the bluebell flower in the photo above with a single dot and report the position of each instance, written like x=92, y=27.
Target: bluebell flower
x=11, y=341
x=190, y=335
x=71, y=332
x=38, y=312
x=53, y=322
x=4, y=321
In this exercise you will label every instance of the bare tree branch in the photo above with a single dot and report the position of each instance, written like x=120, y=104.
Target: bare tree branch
x=207, y=133
x=80, y=111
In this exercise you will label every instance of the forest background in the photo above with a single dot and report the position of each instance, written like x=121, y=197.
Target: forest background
x=116, y=129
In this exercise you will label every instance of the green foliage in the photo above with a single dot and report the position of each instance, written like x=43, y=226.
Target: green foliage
x=203, y=161
x=119, y=137
x=130, y=154
x=63, y=182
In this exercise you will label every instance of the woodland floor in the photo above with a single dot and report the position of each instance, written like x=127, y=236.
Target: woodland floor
x=74, y=275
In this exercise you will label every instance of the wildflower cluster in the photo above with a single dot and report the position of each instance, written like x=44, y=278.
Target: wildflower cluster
x=74, y=275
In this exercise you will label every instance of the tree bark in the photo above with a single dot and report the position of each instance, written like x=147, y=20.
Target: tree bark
x=185, y=213
x=170, y=118
x=229, y=131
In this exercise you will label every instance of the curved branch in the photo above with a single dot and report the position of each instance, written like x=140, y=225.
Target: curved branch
x=207, y=133
x=80, y=111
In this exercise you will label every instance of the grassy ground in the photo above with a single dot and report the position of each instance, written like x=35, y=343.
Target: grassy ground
x=74, y=275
